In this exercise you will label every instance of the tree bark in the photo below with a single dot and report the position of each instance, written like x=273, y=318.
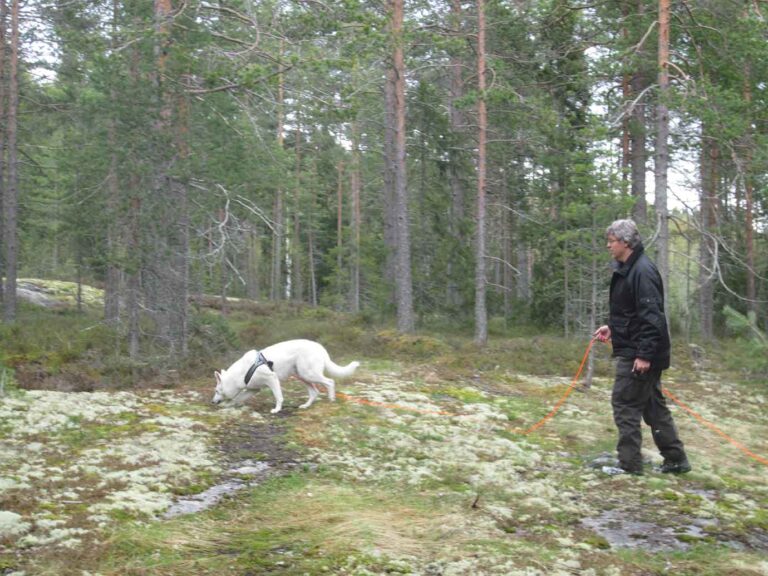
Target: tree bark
x=276, y=284
x=112, y=276
x=457, y=121
x=708, y=245
x=388, y=176
x=662, y=145
x=749, y=191
x=339, y=225
x=355, y=191
x=638, y=84
x=481, y=311
x=3, y=135
x=10, y=204
x=403, y=278
x=297, y=276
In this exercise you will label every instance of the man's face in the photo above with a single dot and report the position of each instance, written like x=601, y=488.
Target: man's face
x=619, y=249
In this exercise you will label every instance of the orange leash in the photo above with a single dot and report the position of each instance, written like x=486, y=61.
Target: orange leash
x=563, y=398
x=559, y=404
x=393, y=406
x=446, y=413
x=714, y=428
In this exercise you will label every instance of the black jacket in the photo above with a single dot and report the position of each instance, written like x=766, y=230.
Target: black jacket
x=637, y=320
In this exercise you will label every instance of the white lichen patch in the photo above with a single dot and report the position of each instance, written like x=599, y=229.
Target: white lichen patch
x=110, y=454
x=12, y=524
x=506, y=502
x=426, y=442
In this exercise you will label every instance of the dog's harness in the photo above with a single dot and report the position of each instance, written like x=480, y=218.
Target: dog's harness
x=260, y=361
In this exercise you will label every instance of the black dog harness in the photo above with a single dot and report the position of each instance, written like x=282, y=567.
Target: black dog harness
x=260, y=361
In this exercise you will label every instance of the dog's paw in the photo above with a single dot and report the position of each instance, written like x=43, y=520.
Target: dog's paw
x=275, y=410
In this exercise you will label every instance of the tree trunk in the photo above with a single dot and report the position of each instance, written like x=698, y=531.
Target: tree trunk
x=388, y=176
x=10, y=204
x=3, y=135
x=749, y=193
x=297, y=278
x=593, y=301
x=276, y=284
x=223, y=272
x=112, y=276
x=339, y=225
x=170, y=280
x=133, y=279
x=481, y=312
x=253, y=256
x=456, y=117
x=355, y=191
x=662, y=145
x=708, y=244
x=403, y=282
x=638, y=84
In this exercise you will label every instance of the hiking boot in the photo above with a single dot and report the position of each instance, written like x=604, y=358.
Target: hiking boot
x=617, y=470
x=674, y=467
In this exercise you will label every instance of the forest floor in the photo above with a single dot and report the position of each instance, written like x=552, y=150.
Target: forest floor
x=422, y=466
x=417, y=470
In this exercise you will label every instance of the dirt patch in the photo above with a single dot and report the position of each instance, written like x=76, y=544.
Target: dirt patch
x=253, y=452
x=262, y=441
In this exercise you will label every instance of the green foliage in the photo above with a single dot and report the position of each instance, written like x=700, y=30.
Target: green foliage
x=53, y=339
x=121, y=127
x=409, y=345
x=745, y=325
x=210, y=334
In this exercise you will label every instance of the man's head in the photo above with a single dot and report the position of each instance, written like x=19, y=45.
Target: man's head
x=622, y=237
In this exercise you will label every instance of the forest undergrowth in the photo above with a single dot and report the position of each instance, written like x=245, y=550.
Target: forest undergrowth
x=420, y=468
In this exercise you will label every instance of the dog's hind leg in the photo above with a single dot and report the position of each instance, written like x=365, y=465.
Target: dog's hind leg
x=313, y=394
x=330, y=386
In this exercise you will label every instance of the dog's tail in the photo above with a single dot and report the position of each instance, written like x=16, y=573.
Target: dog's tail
x=337, y=371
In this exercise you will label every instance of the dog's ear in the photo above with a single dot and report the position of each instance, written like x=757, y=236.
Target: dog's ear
x=218, y=376
x=270, y=364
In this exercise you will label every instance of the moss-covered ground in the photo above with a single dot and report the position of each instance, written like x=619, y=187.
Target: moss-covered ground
x=422, y=469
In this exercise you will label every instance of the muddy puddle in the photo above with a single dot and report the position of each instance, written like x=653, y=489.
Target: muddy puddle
x=253, y=453
x=247, y=473
x=620, y=530
x=623, y=528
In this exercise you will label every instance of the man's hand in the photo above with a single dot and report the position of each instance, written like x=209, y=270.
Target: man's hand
x=603, y=334
x=641, y=366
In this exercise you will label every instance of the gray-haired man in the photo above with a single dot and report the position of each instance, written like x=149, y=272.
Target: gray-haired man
x=638, y=332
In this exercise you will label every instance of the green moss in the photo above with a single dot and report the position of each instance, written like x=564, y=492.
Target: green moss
x=466, y=394
x=82, y=434
x=7, y=563
x=597, y=541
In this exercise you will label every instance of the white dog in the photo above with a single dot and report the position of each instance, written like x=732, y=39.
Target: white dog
x=304, y=359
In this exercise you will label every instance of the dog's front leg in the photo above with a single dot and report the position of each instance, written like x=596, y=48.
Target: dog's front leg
x=277, y=392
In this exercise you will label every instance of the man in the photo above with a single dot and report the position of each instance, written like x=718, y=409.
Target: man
x=638, y=331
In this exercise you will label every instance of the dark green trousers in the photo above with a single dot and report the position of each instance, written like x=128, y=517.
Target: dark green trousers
x=638, y=397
